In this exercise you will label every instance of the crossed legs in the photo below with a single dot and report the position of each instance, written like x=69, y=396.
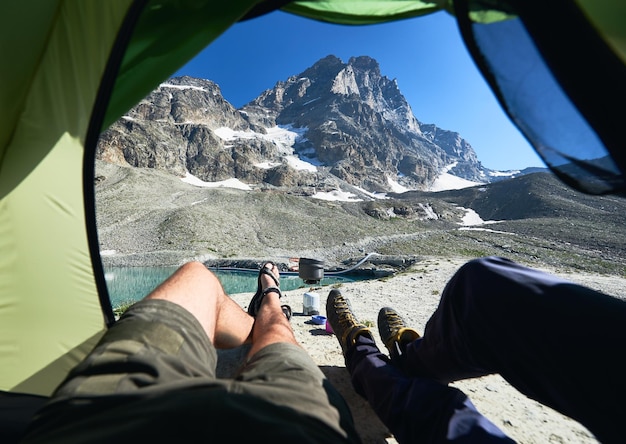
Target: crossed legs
x=159, y=361
x=555, y=341
x=200, y=292
x=226, y=324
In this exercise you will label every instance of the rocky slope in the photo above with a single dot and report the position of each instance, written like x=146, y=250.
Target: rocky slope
x=148, y=217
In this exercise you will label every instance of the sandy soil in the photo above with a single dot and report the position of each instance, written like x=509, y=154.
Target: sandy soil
x=415, y=295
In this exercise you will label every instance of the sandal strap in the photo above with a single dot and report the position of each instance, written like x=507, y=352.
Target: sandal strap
x=271, y=290
x=268, y=272
x=287, y=311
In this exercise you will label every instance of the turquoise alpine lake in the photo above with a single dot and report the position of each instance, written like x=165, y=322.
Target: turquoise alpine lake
x=130, y=284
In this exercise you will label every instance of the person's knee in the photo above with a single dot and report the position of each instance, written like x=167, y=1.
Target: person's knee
x=194, y=267
x=484, y=266
x=198, y=269
x=196, y=274
x=478, y=278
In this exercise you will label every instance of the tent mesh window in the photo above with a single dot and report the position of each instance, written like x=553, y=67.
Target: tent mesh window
x=559, y=119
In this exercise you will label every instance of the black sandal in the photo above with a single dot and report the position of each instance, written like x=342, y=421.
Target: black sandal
x=255, y=302
x=287, y=311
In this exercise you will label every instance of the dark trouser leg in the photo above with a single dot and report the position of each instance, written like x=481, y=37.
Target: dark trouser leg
x=416, y=409
x=555, y=341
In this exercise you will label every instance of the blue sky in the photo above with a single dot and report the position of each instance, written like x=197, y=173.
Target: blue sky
x=425, y=55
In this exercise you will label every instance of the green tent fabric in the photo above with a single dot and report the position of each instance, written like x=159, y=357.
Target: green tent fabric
x=49, y=309
x=363, y=12
x=69, y=69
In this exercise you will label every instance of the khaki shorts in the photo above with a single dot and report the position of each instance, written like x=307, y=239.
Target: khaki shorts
x=159, y=346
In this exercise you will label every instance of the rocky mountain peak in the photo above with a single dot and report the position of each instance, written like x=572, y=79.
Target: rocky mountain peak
x=324, y=69
x=345, y=83
x=365, y=63
x=334, y=126
x=361, y=76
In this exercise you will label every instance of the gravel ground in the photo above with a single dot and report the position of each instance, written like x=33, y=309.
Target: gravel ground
x=415, y=294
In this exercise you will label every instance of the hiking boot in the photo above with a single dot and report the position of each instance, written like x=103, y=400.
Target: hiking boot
x=394, y=332
x=345, y=325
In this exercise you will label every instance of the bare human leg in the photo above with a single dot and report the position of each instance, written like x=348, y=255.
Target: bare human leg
x=271, y=325
x=200, y=292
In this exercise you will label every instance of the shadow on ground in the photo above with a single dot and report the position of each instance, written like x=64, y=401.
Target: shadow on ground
x=369, y=427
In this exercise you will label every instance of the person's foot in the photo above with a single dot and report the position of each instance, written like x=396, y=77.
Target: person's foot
x=394, y=332
x=267, y=283
x=269, y=277
x=345, y=325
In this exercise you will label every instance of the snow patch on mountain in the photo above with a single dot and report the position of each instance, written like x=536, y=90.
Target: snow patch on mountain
x=396, y=187
x=430, y=213
x=284, y=137
x=170, y=85
x=447, y=181
x=372, y=195
x=504, y=173
x=228, y=183
x=301, y=165
x=336, y=195
x=472, y=218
